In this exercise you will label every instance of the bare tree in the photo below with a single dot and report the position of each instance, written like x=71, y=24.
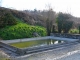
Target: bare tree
x=50, y=19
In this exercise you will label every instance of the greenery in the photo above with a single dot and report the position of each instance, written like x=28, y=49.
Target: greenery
x=79, y=29
x=21, y=30
x=64, y=24
x=74, y=31
x=6, y=19
x=15, y=28
x=12, y=27
x=50, y=21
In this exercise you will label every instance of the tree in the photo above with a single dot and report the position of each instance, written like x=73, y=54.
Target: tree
x=10, y=19
x=50, y=20
x=53, y=29
x=60, y=19
x=67, y=25
x=63, y=22
x=79, y=29
x=6, y=18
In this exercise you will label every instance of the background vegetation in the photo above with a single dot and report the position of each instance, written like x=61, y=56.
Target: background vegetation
x=22, y=24
x=63, y=22
x=21, y=30
x=74, y=31
x=12, y=27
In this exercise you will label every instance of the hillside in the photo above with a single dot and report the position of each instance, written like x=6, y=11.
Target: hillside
x=14, y=26
x=21, y=30
x=76, y=21
x=26, y=22
x=27, y=17
x=34, y=17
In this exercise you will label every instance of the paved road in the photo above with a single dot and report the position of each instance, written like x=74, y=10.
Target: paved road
x=75, y=56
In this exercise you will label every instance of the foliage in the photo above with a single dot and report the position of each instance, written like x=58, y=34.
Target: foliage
x=13, y=28
x=10, y=19
x=74, y=31
x=53, y=29
x=63, y=22
x=6, y=18
x=67, y=26
x=21, y=30
x=48, y=27
x=79, y=29
x=50, y=21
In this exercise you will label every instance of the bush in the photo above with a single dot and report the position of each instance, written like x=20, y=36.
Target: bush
x=74, y=31
x=7, y=19
x=10, y=19
x=21, y=30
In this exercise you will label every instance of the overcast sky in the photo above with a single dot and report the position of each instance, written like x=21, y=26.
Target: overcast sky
x=70, y=6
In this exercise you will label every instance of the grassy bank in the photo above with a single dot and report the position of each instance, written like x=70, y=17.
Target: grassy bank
x=21, y=30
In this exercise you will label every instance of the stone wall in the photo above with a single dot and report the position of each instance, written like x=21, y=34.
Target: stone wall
x=20, y=51
x=11, y=48
x=64, y=35
x=25, y=39
x=35, y=49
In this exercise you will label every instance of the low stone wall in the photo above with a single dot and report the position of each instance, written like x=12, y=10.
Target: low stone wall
x=35, y=49
x=11, y=48
x=23, y=51
x=64, y=35
x=5, y=44
x=25, y=39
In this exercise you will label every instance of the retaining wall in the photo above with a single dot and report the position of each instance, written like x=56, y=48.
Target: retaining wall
x=64, y=35
x=30, y=50
x=12, y=48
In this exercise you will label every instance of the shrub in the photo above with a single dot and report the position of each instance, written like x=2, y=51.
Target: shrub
x=79, y=29
x=10, y=19
x=74, y=31
x=7, y=19
x=21, y=30
x=64, y=23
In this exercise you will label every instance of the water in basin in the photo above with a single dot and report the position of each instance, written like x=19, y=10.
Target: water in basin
x=34, y=43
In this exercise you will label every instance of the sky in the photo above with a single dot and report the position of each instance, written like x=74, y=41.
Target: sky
x=67, y=6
